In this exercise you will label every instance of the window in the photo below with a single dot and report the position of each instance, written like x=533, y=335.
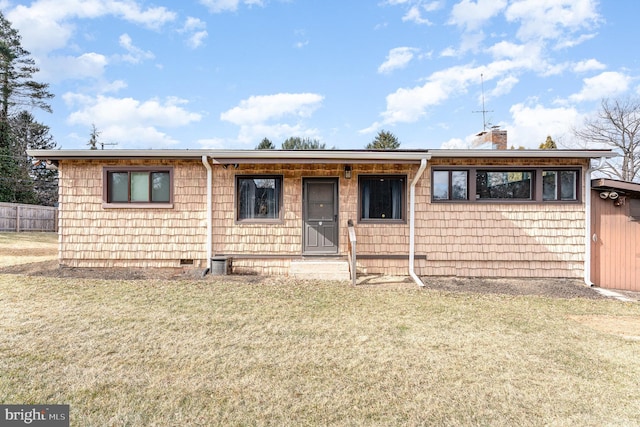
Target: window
x=450, y=185
x=258, y=198
x=138, y=185
x=382, y=198
x=505, y=184
x=559, y=185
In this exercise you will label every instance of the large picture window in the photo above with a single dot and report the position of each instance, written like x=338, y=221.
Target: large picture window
x=138, y=185
x=508, y=184
x=259, y=198
x=504, y=185
x=382, y=198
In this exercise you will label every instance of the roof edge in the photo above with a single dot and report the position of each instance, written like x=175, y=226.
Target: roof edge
x=252, y=156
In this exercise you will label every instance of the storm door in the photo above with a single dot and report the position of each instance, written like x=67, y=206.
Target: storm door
x=320, y=216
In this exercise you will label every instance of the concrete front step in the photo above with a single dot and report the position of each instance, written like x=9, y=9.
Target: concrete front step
x=320, y=270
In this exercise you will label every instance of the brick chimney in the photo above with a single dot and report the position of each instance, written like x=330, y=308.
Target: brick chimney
x=495, y=136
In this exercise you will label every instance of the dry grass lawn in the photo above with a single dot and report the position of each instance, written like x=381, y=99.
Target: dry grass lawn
x=239, y=352
x=20, y=248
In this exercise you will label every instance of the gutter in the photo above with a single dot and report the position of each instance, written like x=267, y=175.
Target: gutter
x=205, y=163
x=587, y=227
x=412, y=223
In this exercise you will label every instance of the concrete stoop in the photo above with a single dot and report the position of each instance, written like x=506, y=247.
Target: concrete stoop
x=320, y=270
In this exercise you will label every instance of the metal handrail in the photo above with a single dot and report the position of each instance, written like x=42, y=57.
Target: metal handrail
x=352, y=250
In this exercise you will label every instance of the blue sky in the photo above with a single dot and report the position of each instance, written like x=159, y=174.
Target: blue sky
x=228, y=73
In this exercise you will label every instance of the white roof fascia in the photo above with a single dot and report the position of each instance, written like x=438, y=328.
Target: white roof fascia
x=314, y=156
x=528, y=154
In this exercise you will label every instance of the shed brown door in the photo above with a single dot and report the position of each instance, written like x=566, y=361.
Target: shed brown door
x=615, y=253
x=320, y=216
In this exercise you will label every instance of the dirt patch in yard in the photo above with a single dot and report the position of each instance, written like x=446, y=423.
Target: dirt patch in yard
x=52, y=269
x=555, y=288
x=623, y=326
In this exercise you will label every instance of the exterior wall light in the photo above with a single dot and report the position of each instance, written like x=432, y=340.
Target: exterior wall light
x=347, y=172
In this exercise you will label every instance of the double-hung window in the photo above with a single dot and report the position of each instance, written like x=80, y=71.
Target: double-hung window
x=382, y=197
x=138, y=186
x=259, y=198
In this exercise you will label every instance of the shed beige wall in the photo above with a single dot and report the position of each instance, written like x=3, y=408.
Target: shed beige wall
x=615, y=253
x=92, y=236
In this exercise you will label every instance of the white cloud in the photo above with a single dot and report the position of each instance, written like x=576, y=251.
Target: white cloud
x=373, y=128
x=113, y=86
x=604, y=85
x=532, y=125
x=197, y=39
x=397, y=58
x=552, y=19
x=193, y=24
x=407, y=105
x=259, y=109
x=414, y=15
x=588, y=65
x=57, y=68
x=527, y=56
x=256, y=115
x=134, y=54
x=433, y=6
x=44, y=24
x=218, y=6
x=449, y=52
x=196, y=29
x=503, y=86
x=455, y=144
x=130, y=122
x=472, y=15
x=212, y=143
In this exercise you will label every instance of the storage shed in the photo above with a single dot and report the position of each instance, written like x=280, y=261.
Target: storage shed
x=615, y=226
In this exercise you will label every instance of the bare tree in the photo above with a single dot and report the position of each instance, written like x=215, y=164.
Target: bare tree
x=616, y=125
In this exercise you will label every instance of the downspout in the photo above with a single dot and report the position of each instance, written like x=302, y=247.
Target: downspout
x=412, y=223
x=205, y=162
x=587, y=235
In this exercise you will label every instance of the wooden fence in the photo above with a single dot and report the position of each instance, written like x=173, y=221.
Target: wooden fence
x=18, y=217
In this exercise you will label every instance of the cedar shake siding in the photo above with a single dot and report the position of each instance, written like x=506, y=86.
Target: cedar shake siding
x=94, y=236
x=473, y=238
x=259, y=248
x=497, y=239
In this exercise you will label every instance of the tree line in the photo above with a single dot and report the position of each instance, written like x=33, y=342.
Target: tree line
x=385, y=140
x=21, y=180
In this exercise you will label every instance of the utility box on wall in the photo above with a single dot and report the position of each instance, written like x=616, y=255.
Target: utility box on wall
x=634, y=209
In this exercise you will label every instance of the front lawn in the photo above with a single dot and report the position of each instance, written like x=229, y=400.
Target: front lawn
x=242, y=352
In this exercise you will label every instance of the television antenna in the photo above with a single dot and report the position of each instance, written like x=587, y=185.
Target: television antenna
x=102, y=144
x=483, y=111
